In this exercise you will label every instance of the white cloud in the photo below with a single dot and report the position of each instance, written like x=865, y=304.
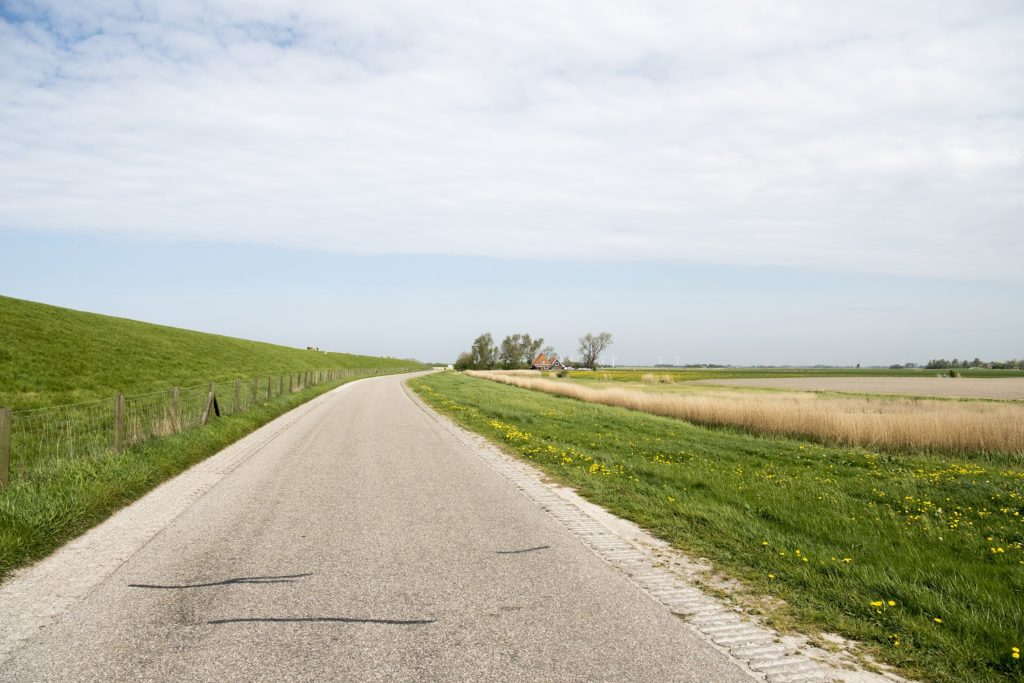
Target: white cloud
x=873, y=137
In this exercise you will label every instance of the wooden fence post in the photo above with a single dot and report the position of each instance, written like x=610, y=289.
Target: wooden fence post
x=280, y=385
x=5, y=447
x=210, y=398
x=238, y=396
x=291, y=383
x=176, y=409
x=118, y=421
x=254, y=389
x=270, y=386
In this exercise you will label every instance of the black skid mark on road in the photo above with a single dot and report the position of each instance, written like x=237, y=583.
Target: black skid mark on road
x=525, y=550
x=337, y=620
x=285, y=578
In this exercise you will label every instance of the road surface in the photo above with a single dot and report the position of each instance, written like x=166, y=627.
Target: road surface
x=361, y=542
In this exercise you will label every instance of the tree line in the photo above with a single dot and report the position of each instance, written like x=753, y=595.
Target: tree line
x=518, y=351
x=943, y=364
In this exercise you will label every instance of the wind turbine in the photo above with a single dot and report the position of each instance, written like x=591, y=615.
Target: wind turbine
x=613, y=360
x=677, y=361
x=661, y=360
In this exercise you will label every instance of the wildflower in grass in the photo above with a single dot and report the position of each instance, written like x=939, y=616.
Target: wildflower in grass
x=891, y=603
x=847, y=560
x=764, y=542
x=876, y=603
x=1015, y=652
x=937, y=620
x=772, y=576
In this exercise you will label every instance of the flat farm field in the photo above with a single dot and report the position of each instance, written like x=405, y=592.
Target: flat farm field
x=908, y=424
x=1003, y=388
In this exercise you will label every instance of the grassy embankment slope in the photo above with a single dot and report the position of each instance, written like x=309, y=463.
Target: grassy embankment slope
x=51, y=356
x=919, y=556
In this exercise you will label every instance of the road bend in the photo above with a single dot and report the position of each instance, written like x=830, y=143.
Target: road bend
x=362, y=542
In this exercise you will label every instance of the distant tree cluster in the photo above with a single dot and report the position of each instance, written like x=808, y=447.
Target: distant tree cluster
x=943, y=364
x=518, y=351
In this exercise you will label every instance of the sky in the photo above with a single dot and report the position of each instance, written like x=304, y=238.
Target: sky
x=748, y=183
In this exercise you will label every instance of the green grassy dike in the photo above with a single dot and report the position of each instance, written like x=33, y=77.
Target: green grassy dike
x=920, y=558
x=38, y=516
x=51, y=356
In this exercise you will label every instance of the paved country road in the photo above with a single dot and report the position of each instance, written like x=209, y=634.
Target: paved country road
x=354, y=539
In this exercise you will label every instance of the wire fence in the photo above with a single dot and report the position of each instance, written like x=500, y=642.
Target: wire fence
x=32, y=441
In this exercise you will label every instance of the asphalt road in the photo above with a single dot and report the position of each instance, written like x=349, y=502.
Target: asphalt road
x=364, y=542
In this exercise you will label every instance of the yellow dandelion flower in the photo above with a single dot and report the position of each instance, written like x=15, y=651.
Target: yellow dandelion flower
x=937, y=620
x=891, y=603
x=876, y=603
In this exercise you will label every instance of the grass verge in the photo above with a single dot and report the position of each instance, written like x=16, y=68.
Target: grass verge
x=39, y=515
x=919, y=557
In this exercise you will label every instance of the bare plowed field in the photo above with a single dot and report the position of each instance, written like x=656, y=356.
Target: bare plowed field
x=964, y=387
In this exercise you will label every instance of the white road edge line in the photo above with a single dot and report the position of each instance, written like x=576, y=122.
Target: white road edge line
x=763, y=652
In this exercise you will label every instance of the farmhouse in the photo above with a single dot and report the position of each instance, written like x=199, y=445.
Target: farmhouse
x=542, y=362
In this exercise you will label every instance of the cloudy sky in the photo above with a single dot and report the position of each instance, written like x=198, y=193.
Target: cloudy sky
x=784, y=182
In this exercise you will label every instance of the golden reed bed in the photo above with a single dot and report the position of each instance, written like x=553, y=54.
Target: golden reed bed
x=891, y=423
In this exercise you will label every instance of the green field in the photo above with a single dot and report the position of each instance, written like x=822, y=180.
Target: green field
x=918, y=557
x=53, y=356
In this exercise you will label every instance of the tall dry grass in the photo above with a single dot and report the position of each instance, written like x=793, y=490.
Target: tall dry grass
x=888, y=423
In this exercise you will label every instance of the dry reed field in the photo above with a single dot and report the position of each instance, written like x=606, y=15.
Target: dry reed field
x=1005, y=388
x=890, y=423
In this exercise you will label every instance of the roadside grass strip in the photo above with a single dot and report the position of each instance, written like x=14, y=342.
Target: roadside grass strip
x=919, y=557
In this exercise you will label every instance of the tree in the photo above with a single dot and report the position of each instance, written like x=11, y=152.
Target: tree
x=464, y=361
x=518, y=351
x=484, y=352
x=592, y=346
